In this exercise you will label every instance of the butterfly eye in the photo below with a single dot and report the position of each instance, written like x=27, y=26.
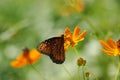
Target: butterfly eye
x=54, y=48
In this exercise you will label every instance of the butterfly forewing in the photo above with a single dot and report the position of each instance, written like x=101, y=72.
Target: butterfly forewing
x=44, y=47
x=54, y=48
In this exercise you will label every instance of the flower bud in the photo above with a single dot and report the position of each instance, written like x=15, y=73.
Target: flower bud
x=87, y=74
x=81, y=62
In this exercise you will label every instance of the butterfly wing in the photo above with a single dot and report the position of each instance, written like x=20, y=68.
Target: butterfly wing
x=45, y=47
x=54, y=48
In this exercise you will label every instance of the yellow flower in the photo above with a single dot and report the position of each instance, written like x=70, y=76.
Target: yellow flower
x=27, y=57
x=111, y=47
x=73, y=38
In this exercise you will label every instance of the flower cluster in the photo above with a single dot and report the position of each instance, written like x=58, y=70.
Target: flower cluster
x=111, y=47
x=31, y=56
x=73, y=38
x=72, y=6
x=78, y=5
x=27, y=57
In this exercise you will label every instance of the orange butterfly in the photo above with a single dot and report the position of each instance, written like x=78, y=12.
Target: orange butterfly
x=54, y=48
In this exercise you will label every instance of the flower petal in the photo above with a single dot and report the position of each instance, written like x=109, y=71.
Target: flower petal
x=34, y=55
x=79, y=6
x=108, y=52
x=27, y=57
x=111, y=43
x=76, y=32
x=105, y=45
x=67, y=33
x=18, y=64
x=66, y=45
x=82, y=35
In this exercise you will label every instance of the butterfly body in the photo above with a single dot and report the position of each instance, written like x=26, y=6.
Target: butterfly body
x=54, y=48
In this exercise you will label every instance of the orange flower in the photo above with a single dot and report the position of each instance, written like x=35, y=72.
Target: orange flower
x=72, y=6
x=27, y=57
x=111, y=47
x=79, y=6
x=73, y=38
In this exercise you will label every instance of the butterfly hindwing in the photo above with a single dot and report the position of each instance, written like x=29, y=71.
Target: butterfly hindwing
x=54, y=48
x=57, y=53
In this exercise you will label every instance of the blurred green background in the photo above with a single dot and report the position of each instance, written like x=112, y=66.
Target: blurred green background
x=25, y=23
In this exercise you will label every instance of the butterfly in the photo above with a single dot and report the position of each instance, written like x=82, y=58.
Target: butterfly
x=54, y=48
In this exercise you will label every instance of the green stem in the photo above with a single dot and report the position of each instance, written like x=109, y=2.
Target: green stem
x=78, y=72
x=118, y=70
x=76, y=52
x=94, y=76
x=43, y=78
x=83, y=73
x=67, y=71
x=87, y=78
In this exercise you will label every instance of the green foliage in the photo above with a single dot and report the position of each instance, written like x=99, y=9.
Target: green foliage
x=25, y=23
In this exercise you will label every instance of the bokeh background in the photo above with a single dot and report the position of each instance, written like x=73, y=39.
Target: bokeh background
x=25, y=23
